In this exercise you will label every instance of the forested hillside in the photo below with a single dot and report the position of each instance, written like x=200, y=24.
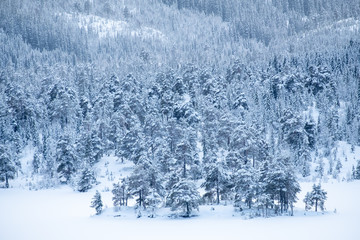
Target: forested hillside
x=236, y=98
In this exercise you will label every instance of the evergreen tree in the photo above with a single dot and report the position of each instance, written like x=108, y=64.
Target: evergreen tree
x=118, y=192
x=320, y=169
x=185, y=154
x=132, y=145
x=7, y=167
x=184, y=197
x=97, y=203
x=87, y=180
x=216, y=179
x=337, y=169
x=89, y=146
x=353, y=173
x=316, y=197
x=357, y=171
x=245, y=186
x=36, y=163
x=66, y=159
x=140, y=181
x=293, y=134
x=308, y=201
x=153, y=202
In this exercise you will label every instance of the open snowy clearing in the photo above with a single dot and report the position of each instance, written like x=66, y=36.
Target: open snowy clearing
x=65, y=214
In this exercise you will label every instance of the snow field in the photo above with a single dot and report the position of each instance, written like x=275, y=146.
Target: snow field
x=64, y=214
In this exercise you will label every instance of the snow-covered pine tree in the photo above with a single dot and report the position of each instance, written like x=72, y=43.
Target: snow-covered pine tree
x=153, y=201
x=337, y=169
x=316, y=197
x=353, y=173
x=36, y=163
x=320, y=169
x=304, y=158
x=308, y=201
x=217, y=179
x=139, y=182
x=97, y=203
x=66, y=159
x=87, y=180
x=185, y=154
x=357, y=171
x=117, y=192
x=294, y=136
x=7, y=167
x=184, y=197
x=132, y=146
x=245, y=186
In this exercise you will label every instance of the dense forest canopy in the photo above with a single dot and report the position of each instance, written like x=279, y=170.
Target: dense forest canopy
x=242, y=96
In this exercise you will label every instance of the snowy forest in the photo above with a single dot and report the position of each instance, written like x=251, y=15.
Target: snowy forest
x=210, y=101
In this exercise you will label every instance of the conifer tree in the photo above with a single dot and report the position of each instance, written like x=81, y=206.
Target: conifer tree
x=153, y=202
x=316, y=197
x=357, y=171
x=87, y=179
x=117, y=192
x=216, y=179
x=97, y=203
x=184, y=197
x=7, y=168
x=245, y=186
x=66, y=159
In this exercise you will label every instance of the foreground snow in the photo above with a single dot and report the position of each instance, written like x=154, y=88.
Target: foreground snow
x=65, y=214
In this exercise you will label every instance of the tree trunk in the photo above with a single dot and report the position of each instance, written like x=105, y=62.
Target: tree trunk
x=250, y=202
x=187, y=210
x=316, y=203
x=6, y=181
x=217, y=193
x=266, y=209
x=184, y=169
x=281, y=202
x=140, y=198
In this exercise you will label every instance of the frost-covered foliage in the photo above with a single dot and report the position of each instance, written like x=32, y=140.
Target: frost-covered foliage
x=356, y=171
x=97, y=203
x=87, y=180
x=315, y=198
x=184, y=198
x=7, y=167
x=238, y=97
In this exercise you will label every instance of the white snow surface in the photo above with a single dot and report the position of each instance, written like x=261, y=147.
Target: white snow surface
x=65, y=214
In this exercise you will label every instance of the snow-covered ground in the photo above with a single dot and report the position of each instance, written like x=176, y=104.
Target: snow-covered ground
x=64, y=214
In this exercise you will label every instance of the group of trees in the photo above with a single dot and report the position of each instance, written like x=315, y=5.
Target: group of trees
x=170, y=97
x=260, y=189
